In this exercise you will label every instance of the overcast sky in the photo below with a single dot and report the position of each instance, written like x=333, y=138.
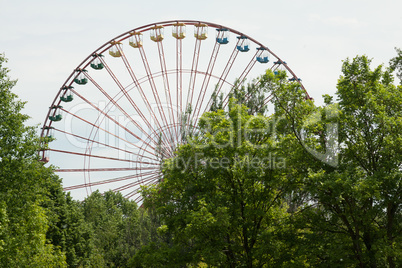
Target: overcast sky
x=45, y=40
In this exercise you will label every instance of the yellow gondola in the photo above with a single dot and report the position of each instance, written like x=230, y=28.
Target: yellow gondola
x=115, y=50
x=201, y=31
x=157, y=33
x=179, y=30
x=135, y=39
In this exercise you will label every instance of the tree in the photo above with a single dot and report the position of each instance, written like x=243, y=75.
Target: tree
x=221, y=197
x=117, y=227
x=371, y=114
x=23, y=184
x=67, y=227
x=335, y=203
x=396, y=64
x=353, y=214
x=251, y=95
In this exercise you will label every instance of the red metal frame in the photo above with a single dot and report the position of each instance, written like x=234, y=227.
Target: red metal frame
x=158, y=139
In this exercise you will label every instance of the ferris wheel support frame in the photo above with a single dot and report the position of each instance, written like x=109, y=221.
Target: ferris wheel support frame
x=167, y=120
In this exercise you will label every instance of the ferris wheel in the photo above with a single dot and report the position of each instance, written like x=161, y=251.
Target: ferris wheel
x=126, y=106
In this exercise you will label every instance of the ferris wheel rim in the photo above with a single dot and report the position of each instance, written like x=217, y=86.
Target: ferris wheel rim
x=107, y=45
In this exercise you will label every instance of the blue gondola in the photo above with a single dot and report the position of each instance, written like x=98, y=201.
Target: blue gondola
x=279, y=68
x=243, y=44
x=293, y=79
x=222, y=36
x=263, y=57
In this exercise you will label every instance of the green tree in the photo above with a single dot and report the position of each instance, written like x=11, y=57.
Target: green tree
x=396, y=64
x=221, y=198
x=23, y=184
x=353, y=214
x=249, y=94
x=117, y=229
x=335, y=203
x=67, y=227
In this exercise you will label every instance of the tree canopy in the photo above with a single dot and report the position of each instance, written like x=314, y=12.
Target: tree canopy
x=23, y=180
x=306, y=186
x=296, y=186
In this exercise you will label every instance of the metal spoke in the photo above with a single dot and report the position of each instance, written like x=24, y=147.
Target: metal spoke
x=122, y=145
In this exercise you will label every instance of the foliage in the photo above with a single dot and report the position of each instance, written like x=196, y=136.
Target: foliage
x=396, y=64
x=354, y=207
x=221, y=199
x=304, y=187
x=336, y=202
x=119, y=228
x=249, y=94
x=23, y=181
x=67, y=227
x=40, y=225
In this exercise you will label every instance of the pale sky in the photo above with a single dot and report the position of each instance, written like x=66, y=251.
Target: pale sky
x=45, y=40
